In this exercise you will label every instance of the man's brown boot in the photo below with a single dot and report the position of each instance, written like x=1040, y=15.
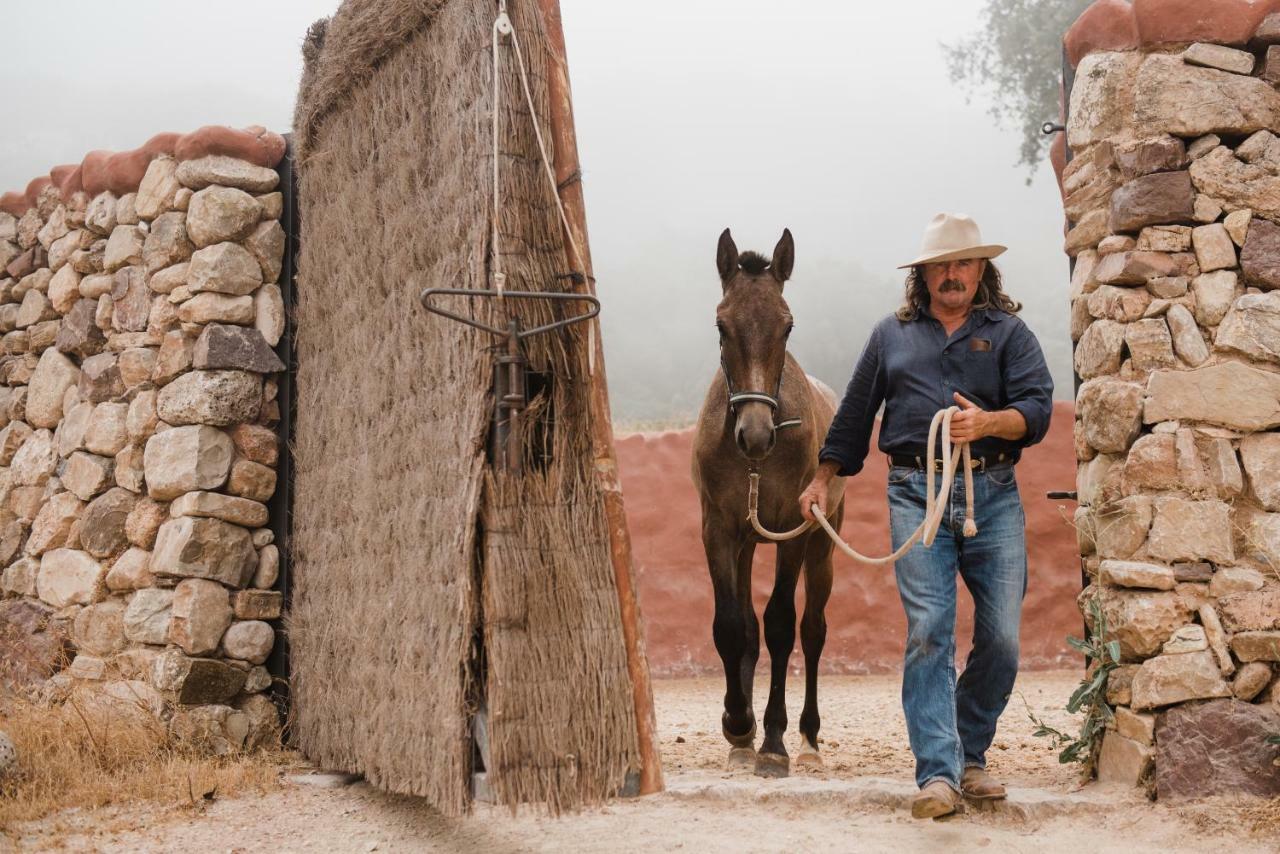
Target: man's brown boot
x=936, y=799
x=976, y=783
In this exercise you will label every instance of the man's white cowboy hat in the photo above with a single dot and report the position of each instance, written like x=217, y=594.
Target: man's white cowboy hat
x=952, y=237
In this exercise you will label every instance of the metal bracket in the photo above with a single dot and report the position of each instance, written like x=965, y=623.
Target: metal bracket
x=510, y=391
x=521, y=334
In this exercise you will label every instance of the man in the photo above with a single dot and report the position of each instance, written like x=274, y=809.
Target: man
x=955, y=341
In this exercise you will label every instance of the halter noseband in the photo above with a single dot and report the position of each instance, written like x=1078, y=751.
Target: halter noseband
x=770, y=400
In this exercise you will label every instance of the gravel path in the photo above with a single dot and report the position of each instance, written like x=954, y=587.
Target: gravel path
x=854, y=803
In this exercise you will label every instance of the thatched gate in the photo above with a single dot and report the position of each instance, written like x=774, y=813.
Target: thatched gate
x=425, y=583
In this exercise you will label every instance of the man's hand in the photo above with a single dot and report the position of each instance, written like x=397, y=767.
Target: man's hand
x=972, y=423
x=816, y=491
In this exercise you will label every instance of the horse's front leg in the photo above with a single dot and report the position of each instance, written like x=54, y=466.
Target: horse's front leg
x=780, y=638
x=730, y=634
x=813, y=636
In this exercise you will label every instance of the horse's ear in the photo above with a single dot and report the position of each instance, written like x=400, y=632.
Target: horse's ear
x=784, y=257
x=726, y=256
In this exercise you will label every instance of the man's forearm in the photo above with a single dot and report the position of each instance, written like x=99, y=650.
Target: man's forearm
x=827, y=469
x=1007, y=424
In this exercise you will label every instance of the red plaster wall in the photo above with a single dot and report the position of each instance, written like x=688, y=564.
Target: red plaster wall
x=865, y=622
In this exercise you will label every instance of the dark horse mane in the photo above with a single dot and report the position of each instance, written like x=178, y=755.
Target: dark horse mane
x=753, y=263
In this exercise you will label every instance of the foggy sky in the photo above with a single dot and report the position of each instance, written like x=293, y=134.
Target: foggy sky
x=834, y=119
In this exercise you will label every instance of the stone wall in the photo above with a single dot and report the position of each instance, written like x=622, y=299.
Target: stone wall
x=1172, y=195
x=139, y=312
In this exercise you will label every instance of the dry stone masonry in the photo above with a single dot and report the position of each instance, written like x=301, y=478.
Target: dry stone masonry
x=1172, y=196
x=140, y=314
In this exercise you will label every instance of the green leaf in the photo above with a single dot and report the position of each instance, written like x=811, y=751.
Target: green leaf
x=1082, y=646
x=1113, y=650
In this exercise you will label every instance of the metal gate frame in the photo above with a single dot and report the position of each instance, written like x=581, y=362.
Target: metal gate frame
x=280, y=507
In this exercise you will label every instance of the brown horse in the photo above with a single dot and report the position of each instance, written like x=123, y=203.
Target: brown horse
x=763, y=413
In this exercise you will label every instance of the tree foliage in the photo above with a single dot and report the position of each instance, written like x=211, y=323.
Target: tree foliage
x=1016, y=55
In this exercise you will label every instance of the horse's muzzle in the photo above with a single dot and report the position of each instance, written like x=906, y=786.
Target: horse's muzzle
x=754, y=440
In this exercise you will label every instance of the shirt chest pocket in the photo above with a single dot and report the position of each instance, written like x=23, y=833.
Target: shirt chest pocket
x=981, y=369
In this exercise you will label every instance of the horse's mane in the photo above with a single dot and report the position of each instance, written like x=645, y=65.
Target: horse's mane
x=753, y=263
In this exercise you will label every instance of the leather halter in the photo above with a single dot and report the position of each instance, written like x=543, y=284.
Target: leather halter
x=770, y=400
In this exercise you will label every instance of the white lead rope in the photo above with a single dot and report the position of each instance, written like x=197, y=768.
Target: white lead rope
x=935, y=503
x=502, y=26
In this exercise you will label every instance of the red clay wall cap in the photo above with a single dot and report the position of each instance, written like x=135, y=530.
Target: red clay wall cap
x=1105, y=25
x=1231, y=22
x=1121, y=25
x=121, y=171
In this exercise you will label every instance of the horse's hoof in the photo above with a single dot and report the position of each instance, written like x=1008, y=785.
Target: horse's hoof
x=809, y=760
x=748, y=740
x=772, y=765
x=742, y=757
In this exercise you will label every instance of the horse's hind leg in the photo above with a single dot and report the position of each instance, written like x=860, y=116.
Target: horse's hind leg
x=813, y=636
x=729, y=632
x=780, y=637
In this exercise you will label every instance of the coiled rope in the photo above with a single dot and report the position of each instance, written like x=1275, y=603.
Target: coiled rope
x=935, y=503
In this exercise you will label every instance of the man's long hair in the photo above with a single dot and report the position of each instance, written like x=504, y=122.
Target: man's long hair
x=990, y=293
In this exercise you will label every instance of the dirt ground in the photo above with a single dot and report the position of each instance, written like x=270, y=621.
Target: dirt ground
x=856, y=803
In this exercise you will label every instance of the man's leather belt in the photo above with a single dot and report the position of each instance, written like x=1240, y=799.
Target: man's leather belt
x=911, y=461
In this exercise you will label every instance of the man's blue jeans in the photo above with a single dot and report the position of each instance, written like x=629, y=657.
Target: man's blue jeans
x=951, y=723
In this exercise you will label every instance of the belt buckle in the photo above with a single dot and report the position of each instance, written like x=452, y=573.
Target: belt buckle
x=978, y=465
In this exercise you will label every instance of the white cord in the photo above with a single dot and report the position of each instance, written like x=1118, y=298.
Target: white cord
x=502, y=25
x=935, y=503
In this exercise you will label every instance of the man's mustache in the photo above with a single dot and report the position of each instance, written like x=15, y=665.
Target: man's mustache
x=951, y=285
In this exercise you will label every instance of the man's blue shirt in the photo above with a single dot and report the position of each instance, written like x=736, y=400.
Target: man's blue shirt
x=914, y=368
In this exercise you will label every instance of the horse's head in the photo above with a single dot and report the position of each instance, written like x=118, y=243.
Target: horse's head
x=754, y=323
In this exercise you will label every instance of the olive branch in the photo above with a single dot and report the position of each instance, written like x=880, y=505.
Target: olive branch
x=1090, y=697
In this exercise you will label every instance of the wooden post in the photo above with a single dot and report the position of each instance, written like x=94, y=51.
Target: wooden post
x=564, y=140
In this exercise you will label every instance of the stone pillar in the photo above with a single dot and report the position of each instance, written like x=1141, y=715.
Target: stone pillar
x=139, y=311
x=1172, y=198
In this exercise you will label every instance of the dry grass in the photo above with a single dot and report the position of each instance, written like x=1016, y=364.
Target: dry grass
x=77, y=756
x=1262, y=818
x=1223, y=815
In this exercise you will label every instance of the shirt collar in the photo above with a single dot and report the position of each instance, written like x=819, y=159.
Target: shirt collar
x=992, y=314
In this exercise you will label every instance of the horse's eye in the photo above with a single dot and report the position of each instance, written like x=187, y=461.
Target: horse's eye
x=790, y=326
